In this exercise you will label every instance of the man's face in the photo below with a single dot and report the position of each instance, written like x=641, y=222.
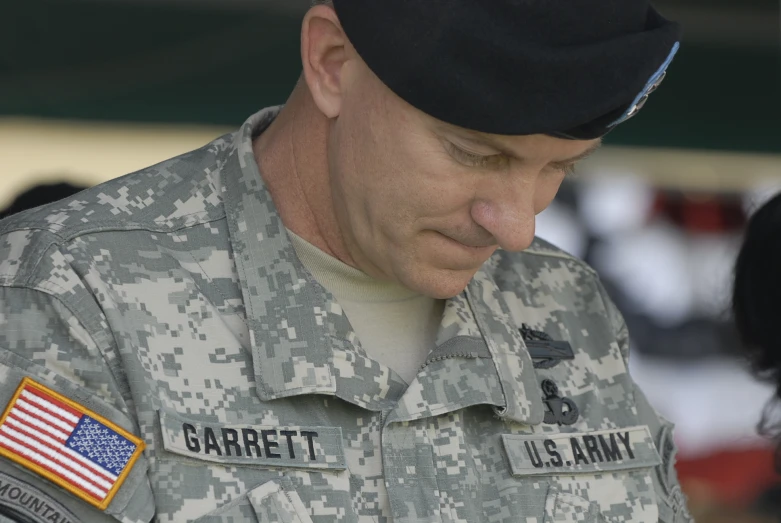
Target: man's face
x=425, y=203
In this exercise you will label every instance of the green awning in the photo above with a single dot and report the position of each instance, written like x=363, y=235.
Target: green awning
x=216, y=63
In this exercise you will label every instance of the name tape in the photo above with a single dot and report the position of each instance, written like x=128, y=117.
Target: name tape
x=268, y=445
x=581, y=453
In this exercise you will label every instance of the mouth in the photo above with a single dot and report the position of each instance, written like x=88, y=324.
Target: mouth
x=484, y=249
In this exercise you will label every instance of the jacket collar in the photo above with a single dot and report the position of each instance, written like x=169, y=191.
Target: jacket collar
x=480, y=359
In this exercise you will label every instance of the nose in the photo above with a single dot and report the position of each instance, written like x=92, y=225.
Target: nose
x=507, y=212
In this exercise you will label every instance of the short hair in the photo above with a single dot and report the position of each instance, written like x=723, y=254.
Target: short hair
x=756, y=295
x=322, y=2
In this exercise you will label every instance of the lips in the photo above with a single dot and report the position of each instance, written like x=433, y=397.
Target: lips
x=479, y=250
x=471, y=244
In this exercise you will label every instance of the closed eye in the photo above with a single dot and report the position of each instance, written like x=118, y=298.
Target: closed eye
x=568, y=169
x=472, y=159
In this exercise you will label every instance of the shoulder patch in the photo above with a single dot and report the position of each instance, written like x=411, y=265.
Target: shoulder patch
x=23, y=502
x=66, y=443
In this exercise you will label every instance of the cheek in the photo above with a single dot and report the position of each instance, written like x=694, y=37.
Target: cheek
x=412, y=184
x=432, y=194
x=546, y=191
x=375, y=184
x=391, y=170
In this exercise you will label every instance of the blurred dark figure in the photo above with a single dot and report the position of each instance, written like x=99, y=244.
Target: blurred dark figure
x=40, y=195
x=756, y=305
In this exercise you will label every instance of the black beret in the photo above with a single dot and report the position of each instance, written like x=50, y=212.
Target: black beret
x=573, y=68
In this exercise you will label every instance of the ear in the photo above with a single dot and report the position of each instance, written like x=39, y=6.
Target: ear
x=323, y=54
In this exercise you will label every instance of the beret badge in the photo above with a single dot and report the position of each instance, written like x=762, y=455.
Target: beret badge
x=652, y=85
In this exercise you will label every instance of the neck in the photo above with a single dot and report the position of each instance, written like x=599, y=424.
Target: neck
x=292, y=157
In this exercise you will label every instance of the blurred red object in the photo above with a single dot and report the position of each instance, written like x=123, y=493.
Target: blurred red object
x=701, y=212
x=736, y=477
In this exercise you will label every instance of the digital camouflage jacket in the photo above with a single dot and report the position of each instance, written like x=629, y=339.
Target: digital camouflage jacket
x=165, y=356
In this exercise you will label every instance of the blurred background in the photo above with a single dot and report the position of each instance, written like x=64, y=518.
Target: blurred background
x=93, y=89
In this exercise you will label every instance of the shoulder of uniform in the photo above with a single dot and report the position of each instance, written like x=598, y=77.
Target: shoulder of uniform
x=540, y=251
x=179, y=192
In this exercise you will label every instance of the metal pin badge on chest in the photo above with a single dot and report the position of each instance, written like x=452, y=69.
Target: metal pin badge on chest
x=558, y=410
x=547, y=353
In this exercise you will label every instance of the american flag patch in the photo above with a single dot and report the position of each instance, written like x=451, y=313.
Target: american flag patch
x=66, y=443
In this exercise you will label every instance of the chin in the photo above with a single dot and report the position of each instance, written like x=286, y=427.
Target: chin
x=440, y=284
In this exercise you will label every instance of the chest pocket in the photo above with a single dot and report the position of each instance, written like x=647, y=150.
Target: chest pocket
x=274, y=501
x=600, y=476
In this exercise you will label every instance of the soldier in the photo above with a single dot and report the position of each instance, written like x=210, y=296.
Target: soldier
x=339, y=312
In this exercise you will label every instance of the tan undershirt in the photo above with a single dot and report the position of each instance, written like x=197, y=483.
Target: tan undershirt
x=395, y=326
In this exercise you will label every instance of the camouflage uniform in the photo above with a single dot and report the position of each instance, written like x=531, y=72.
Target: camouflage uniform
x=171, y=302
